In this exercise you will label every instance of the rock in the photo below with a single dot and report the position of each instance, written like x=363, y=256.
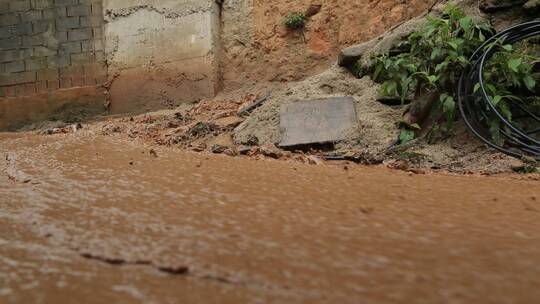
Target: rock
x=287, y=155
x=349, y=56
x=271, y=150
x=314, y=160
x=171, y=124
x=313, y=10
x=244, y=150
x=228, y=122
x=76, y=127
x=108, y=129
x=364, y=52
x=532, y=6
x=199, y=148
x=52, y=131
x=417, y=171
x=153, y=153
x=218, y=149
x=399, y=165
x=317, y=121
x=252, y=141
x=231, y=152
x=201, y=129
x=224, y=140
x=491, y=6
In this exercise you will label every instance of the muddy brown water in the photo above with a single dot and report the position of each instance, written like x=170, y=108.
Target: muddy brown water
x=93, y=219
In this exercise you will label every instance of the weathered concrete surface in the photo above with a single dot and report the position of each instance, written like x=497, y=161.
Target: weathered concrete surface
x=317, y=121
x=161, y=53
x=67, y=105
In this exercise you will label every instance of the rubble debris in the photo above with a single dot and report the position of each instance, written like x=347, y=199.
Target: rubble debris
x=232, y=152
x=254, y=105
x=317, y=121
x=271, y=150
x=229, y=122
x=314, y=160
x=313, y=10
x=244, y=150
x=76, y=127
x=201, y=129
x=199, y=148
x=62, y=130
x=109, y=129
x=218, y=149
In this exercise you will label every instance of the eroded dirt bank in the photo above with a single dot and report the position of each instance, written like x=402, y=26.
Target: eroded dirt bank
x=92, y=218
x=256, y=47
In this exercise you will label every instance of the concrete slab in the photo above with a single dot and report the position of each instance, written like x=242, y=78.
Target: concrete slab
x=317, y=121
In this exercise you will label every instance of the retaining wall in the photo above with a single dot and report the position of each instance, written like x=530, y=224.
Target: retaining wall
x=84, y=57
x=161, y=53
x=47, y=46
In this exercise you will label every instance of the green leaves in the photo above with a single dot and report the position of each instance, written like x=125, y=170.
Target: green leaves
x=514, y=63
x=295, y=20
x=496, y=99
x=448, y=105
x=406, y=135
x=389, y=88
x=476, y=87
x=437, y=56
x=529, y=82
x=466, y=23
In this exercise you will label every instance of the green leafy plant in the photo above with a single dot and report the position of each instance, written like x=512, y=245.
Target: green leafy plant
x=295, y=20
x=436, y=57
x=511, y=82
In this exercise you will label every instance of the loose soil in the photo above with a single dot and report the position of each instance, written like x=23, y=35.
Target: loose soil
x=215, y=126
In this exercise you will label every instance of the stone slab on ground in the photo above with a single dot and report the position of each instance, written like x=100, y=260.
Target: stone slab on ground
x=317, y=121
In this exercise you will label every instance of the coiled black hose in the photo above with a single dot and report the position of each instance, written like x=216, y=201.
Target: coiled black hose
x=476, y=107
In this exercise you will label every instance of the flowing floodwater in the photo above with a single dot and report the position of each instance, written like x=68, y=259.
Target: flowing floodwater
x=95, y=219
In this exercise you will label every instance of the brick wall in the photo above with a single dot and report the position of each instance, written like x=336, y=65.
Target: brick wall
x=47, y=45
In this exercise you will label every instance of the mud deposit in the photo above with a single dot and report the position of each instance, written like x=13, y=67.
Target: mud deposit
x=99, y=219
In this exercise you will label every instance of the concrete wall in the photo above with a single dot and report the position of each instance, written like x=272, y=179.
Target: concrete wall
x=75, y=56
x=48, y=46
x=161, y=53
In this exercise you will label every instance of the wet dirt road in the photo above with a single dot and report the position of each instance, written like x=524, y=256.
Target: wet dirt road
x=92, y=219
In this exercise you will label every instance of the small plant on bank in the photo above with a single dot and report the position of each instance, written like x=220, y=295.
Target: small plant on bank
x=432, y=65
x=295, y=20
